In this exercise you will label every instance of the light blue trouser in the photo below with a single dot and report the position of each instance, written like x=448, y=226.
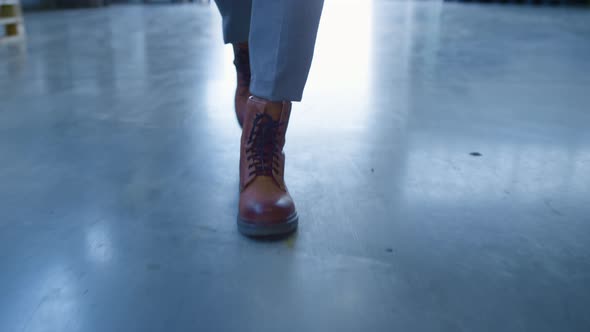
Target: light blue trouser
x=281, y=35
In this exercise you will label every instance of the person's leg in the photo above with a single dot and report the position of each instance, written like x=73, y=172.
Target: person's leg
x=243, y=78
x=282, y=40
x=236, y=16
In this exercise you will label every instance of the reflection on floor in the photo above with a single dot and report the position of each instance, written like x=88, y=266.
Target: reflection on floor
x=440, y=163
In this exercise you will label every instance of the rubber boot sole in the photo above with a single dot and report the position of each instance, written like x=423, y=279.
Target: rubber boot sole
x=255, y=229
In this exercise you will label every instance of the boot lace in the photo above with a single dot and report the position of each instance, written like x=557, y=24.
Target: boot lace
x=263, y=148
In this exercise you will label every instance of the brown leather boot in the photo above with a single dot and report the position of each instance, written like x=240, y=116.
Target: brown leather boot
x=242, y=63
x=266, y=208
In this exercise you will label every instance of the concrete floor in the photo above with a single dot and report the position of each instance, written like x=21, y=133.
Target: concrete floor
x=118, y=173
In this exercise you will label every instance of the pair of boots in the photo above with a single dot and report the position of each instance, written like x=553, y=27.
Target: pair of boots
x=265, y=207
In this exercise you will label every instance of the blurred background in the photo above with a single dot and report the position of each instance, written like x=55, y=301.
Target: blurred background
x=440, y=163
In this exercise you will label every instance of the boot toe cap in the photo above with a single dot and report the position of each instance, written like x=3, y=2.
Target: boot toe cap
x=267, y=208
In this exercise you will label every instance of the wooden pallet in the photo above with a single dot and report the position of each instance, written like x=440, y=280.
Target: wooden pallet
x=11, y=20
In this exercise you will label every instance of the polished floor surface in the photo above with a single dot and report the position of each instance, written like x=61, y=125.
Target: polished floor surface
x=440, y=163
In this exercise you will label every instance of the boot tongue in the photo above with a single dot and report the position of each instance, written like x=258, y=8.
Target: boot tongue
x=274, y=109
